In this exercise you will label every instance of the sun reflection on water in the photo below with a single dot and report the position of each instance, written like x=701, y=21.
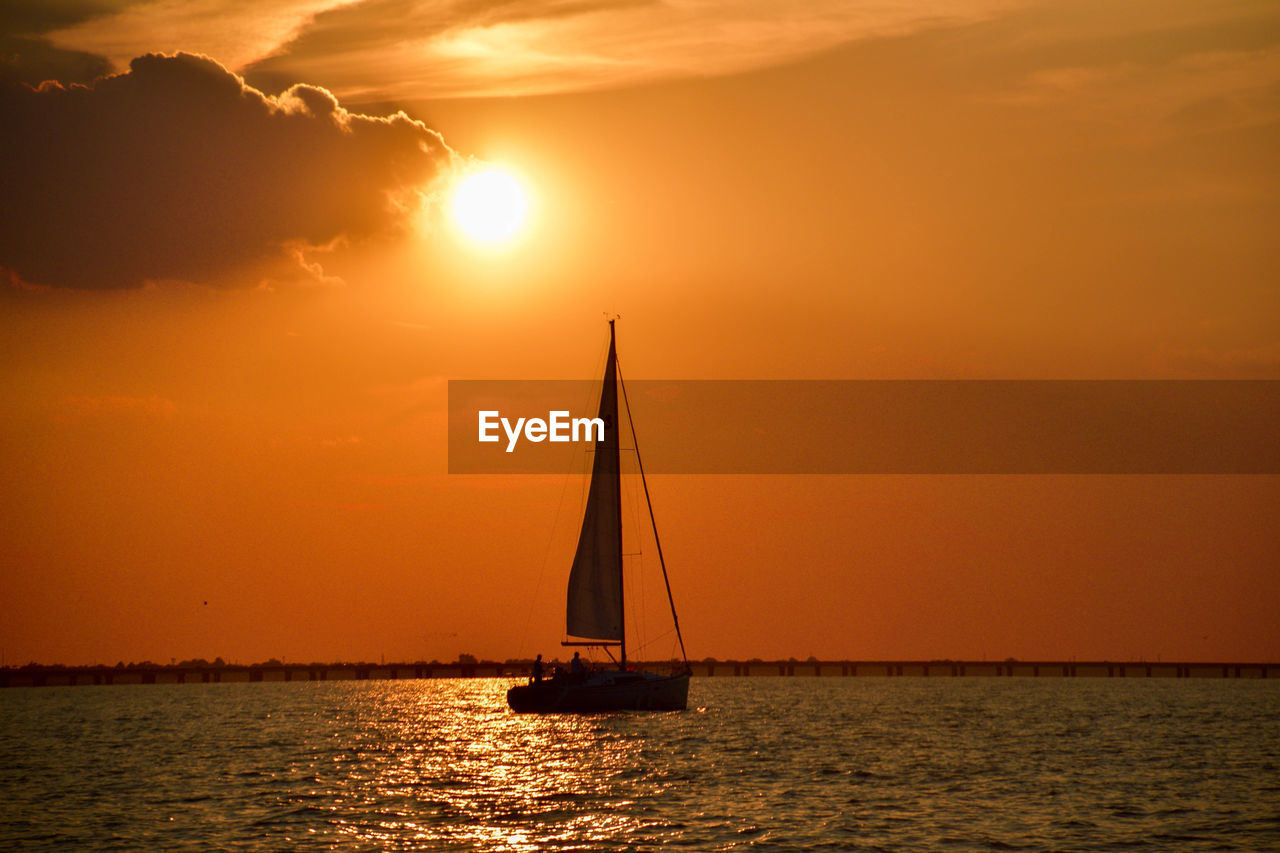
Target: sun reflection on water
x=444, y=763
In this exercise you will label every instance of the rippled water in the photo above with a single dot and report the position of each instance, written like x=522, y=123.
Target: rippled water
x=756, y=763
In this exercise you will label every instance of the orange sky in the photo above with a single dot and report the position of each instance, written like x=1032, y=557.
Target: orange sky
x=232, y=309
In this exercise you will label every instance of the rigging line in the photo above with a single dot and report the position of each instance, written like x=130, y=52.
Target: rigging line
x=593, y=392
x=675, y=620
x=546, y=558
x=582, y=472
x=635, y=578
x=664, y=635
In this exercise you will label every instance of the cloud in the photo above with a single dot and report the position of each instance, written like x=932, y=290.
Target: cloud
x=236, y=32
x=388, y=50
x=1194, y=93
x=179, y=170
x=26, y=57
x=470, y=49
x=32, y=60
x=26, y=17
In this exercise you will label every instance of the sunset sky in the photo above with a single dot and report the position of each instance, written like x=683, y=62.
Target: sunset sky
x=234, y=293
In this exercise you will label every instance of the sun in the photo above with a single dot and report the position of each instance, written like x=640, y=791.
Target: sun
x=489, y=205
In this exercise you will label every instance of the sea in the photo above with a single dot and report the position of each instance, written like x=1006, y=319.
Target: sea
x=755, y=763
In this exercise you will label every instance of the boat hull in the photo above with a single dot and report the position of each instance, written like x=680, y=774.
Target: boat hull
x=599, y=692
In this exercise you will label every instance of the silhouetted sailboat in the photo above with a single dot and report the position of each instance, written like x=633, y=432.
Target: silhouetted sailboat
x=595, y=612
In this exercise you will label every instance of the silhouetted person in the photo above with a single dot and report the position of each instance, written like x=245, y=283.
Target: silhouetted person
x=576, y=667
x=537, y=669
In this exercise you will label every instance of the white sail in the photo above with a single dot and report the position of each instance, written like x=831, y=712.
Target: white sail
x=594, y=608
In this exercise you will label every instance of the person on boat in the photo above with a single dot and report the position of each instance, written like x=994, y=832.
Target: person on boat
x=576, y=667
x=537, y=669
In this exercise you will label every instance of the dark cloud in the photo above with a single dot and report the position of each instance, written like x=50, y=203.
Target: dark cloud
x=26, y=57
x=179, y=170
x=34, y=60
x=32, y=17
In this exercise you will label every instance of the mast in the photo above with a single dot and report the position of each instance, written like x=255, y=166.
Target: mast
x=611, y=370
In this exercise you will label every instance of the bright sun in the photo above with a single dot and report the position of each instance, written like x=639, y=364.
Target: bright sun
x=489, y=205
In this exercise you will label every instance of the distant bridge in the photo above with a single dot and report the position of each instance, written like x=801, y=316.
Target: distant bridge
x=989, y=669
x=34, y=675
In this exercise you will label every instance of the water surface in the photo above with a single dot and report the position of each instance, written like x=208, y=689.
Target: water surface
x=755, y=764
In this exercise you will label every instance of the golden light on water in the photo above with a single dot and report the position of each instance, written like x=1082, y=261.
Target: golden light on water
x=453, y=766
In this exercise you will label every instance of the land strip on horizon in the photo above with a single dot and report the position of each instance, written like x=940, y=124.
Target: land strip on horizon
x=203, y=672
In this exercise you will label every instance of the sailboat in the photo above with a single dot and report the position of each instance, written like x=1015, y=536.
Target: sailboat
x=595, y=612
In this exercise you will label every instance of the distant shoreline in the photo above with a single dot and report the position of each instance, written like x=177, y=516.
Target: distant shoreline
x=41, y=675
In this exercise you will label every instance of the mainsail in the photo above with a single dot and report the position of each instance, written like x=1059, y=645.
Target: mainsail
x=594, y=608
